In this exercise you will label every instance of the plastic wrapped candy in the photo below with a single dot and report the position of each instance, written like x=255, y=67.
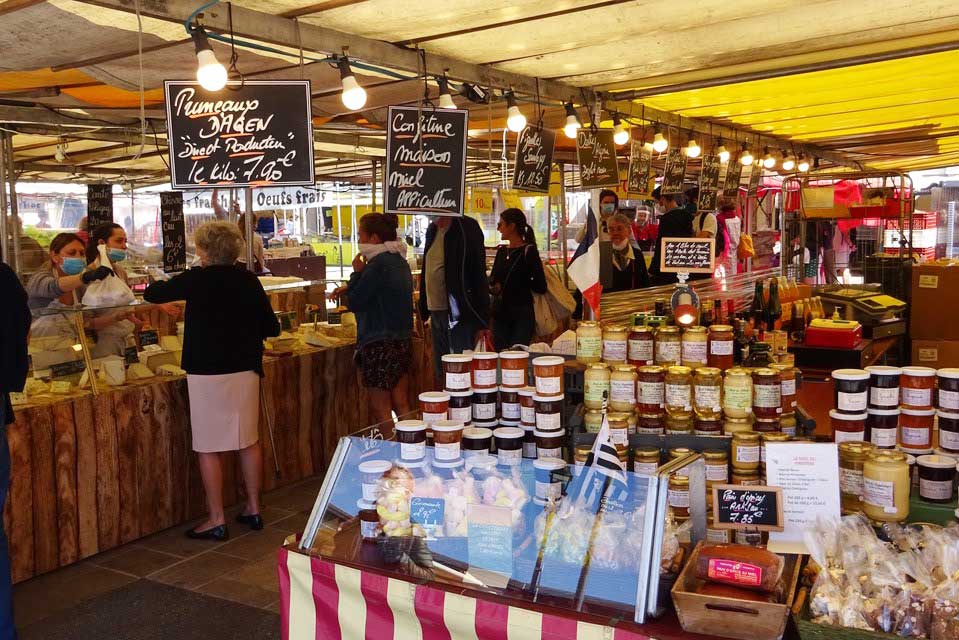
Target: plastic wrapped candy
x=506, y=492
x=460, y=493
x=393, y=503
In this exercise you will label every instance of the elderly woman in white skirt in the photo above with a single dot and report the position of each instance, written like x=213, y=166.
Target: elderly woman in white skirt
x=227, y=317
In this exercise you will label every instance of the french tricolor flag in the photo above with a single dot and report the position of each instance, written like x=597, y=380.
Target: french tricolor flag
x=584, y=267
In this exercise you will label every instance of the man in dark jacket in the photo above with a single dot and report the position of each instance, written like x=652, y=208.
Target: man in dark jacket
x=14, y=327
x=675, y=223
x=454, y=290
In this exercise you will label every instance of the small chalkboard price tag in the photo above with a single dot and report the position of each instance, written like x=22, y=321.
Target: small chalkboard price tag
x=759, y=508
x=596, y=152
x=430, y=513
x=148, y=337
x=687, y=255
x=173, y=231
x=99, y=204
x=534, y=159
x=734, y=174
x=69, y=368
x=130, y=355
x=755, y=177
x=640, y=162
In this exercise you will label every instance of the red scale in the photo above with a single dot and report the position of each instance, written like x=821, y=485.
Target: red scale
x=838, y=334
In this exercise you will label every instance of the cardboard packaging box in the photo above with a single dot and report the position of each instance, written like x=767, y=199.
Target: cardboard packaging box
x=935, y=353
x=934, y=307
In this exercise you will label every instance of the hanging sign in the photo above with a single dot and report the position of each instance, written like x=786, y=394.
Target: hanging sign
x=674, y=172
x=534, y=159
x=426, y=161
x=255, y=133
x=173, y=231
x=640, y=161
x=755, y=176
x=99, y=204
x=596, y=152
x=709, y=183
x=687, y=255
x=734, y=173
x=755, y=508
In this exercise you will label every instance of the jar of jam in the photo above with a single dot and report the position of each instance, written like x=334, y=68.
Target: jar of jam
x=735, y=425
x=668, y=346
x=514, y=365
x=679, y=424
x=718, y=536
x=766, y=438
x=766, y=425
x=476, y=441
x=548, y=371
x=915, y=430
x=707, y=393
x=618, y=431
x=851, y=388
x=589, y=342
x=593, y=420
x=614, y=344
x=746, y=478
x=948, y=395
x=721, y=347
x=527, y=408
x=456, y=369
x=596, y=383
x=882, y=428
x=652, y=424
x=679, y=399
x=651, y=389
x=708, y=427
x=484, y=405
x=787, y=424
x=937, y=478
x=369, y=519
x=949, y=432
x=746, y=451
x=509, y=446
x=852, y=457
x=529, y=441
x=679, y=452
x=484, y=371
x=434, y=406
x=883, y=387
x=632, y=419
x=371, y=472
x=549, y=444
x=885, y=486
x=509, y=403
x=547, y=477
x=622, y=388
x=411, y=434
x=646, y=460
x=847, y=426
x=787, y=378
x=767, y=393
x=677, y=496
x=640, y=346
x=717, y=466
x=694, y=352
x=548, y=413
x=447, y=436
x=738, y=394
x=461, y=407
x=580, y=454
x=916, y=386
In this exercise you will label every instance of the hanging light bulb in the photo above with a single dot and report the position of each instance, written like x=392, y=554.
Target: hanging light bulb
x=660, y=143
x=354, y=96
x=692, y=149
x=209, y=72
x=803, y=164
x=620, y=132
x=446, y=99
x=515, y=120
x=789, y=163
x=769, y=160
x=572, y=122
x=746, y=158
x=722, y=152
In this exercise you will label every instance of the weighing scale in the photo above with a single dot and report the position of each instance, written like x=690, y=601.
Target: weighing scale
x=879, y=314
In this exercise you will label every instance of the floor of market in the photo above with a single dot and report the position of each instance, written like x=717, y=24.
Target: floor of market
x=241, y=571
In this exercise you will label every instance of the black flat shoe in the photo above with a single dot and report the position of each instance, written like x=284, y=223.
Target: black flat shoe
x=219, y=533
x=254, y=521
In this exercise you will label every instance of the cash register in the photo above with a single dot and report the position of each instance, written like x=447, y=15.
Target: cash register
x=880, y=315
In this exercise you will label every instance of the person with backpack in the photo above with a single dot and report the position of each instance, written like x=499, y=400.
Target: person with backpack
x=705, y=226
x=729, y=221
x=516, y=275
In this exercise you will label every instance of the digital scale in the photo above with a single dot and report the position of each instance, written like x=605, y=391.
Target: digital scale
x=879, y=314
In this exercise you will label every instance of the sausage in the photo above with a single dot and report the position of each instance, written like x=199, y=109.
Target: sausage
x=740, y=566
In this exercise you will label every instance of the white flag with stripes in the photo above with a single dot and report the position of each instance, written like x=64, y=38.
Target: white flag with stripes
x=602, y=459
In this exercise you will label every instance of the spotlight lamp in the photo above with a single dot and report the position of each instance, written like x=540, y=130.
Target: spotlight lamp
x=802, y=164
x=722, y=152
x=693, y=149
x=446, y=99
x=789, y=163
x=769, y=160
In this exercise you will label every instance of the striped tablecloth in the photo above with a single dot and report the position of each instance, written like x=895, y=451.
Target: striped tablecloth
x=322, y=600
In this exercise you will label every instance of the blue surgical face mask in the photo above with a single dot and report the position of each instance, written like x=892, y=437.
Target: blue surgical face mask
x=607, y=208
x=117, y=255
x=73, y=266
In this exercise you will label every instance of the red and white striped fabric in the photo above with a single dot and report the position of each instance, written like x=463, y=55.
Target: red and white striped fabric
x=321, y=600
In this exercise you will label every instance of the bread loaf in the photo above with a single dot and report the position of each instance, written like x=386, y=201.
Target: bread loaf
x=739, y=566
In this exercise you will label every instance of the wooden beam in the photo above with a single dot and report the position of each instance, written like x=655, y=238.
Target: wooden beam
x=93, y=171
x=15, y=5
x=107, y=135
x=319, y=7
x=116, y=56
x=34, y=115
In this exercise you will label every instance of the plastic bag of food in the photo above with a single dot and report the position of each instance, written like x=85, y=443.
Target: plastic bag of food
x=109, y=292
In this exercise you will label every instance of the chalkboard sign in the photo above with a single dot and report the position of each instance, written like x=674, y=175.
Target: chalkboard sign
x=534, y=159
x=148, y=337
x=130, y=355
x=99, y=204
x=426, y=161
x=675, y=172
x=596, y=152
x=755, y=177
x=640, y=161
x=709, y=183
x=745, y=507
x=687, y=255
x=256, y=133
x=69, y=368
x=734, y=174
x=173, y=231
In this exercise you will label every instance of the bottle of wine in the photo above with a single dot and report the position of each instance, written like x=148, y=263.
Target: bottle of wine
x=797, y=327
x=718, y=311
x=730, y=311
x=774, y=310
x=741, y=342
x=707, y=317
x=757, y=310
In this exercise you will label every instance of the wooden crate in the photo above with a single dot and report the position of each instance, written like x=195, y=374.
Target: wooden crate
x=729, y=617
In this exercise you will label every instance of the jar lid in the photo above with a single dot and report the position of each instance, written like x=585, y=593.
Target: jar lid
x=435, y=396
x=598, y=365
x=614, y=328
x=374, y=466
x=746, y=435
x=509, y=390
x=527, y=392
x=457, y=357
x=641, y=328
x=508, y=432
x=625, y=368
x=537, y=398
x=652, y=368
x=509, y=423
x=695, y=330
x=891, y=455
x=950, y=373
x=851, y=374
x=410, y=425
x=668, y=329
x=449, y=464
x=548, y=361
x=485, y=424
x=582, y=449
x=365, y=505
x=461, y=394
x=836, y=415
x=737, y=371
x=679, y=451
x=857, y=447
x=715, y=454
x=918, y=372
x=514, y=355
x=549, y=464
x=708, y=371
x=765, y=371
x=552, y=433
x=780, y=367
x=477, y=433
x=881, y=370
x=776, y=437
x=447, y=425
x=721, y=328
x=884, y=412
x=947, y=415
x=679, y=370
x=919, y=412
x=588, y=323
x=678, y=479
x=936, y=462
x=954, y=456
x=646, y=451
x=486, y=393
x=485, y=355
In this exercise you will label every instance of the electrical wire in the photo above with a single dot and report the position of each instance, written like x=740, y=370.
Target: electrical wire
x=143, y=115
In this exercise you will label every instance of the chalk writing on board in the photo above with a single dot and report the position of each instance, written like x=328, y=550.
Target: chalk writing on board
x=708, y=183
x=674, y=173
x=755, y=507
x=172, y=231
x=99, y=204
x=690, y=255
x=640, y=162
x=596, y=152
x=534, y=159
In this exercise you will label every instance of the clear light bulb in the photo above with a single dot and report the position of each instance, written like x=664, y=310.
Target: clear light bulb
x=693, y=150
x=572, y=125
x=769, y=161
x=620, y=134
x=723, y=154
x=659, y=143
x=354, y=96
x=746, y=159
x=210, y=73
x=446, y=101
x=803, y=165
x=788, y=163
x=515, y=120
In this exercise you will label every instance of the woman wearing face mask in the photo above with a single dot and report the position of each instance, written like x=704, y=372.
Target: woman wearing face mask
x=228, y=317
x=516, y=275
x=380, y=293
x=608, y=205
x=112, y=327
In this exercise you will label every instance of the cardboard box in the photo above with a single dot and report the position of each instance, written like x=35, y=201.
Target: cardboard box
x=934, y=308
x=935, y=353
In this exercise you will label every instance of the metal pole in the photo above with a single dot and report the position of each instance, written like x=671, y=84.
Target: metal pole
x=549, y=223
x=4, y=240
x=14, y=207
x=339, y=224
x=562, y=222
x=248, y=219
x=353, y=237
x=373, y=184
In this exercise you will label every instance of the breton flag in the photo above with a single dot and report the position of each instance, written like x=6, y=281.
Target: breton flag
x=584, y=267
x=602, y=463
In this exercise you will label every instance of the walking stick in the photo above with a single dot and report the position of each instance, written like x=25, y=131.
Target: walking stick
x=269, y=426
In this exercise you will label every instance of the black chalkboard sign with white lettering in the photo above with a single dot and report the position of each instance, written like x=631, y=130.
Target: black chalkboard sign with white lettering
x=426, y=161
x=173, y=231
x=675, y=172
x=534, y=159
x=687, y=255
x=99, y=204
x=640, y=162
x=256, y=133
x=68, y=368
x=755, y=177
x=596, y=152
x=734, y=173
x=148, y=337
x=708, y=183
x=748, y=507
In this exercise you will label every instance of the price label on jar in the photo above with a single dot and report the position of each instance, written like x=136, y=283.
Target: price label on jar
x=948, y=400
x=461, y=414
x=483, y=411
x=886, y=438
x=848, y=436
x=527, y=415
x=770, y=396
x=622, y=391
x=589, y=346
x=916, y=397
x=935, y=489
x=412, y=451
x=850, y=482
x=884, y=397
x=949, y=440
x=747, y=453
x=515, y=377
x=511, y=411
x=652, y=393
x=457, y=381
x=641, y=350
x=721, y=347
x=614, y=350
x=879, y=493
x=548, y=386
x=433, y=418
x=484, y=378
x=645, y=468
x=707, y=396
x=694, y=351
x=677, y=395
x=717, y=472
x=678, y=499
x=549, y=453
x=548, y=421
x=789, y=387
x=449, y=451
x=916, y=438
x=668, y=352
x=738, y=397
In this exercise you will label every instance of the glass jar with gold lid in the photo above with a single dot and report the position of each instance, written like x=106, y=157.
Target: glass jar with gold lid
x=646, y=460
x=679, y=391
x=735, y=425
x=746, y=451
x=885, y=486
x=852, y=457
x=721, y=347
x=765, y=439
x=694, y=350
x=717, y=466
x=589, y=342
x=614, y=343
x=738, y=393
x=593, y=420
x=596, y=385
x=679, y=424
x=707, y=392
x=677, y=496
x=622, y=388
x=640, y=346
x=650, y=389
x=668, y=346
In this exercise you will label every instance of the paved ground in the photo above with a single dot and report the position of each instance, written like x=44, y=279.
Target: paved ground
x=121, y=593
